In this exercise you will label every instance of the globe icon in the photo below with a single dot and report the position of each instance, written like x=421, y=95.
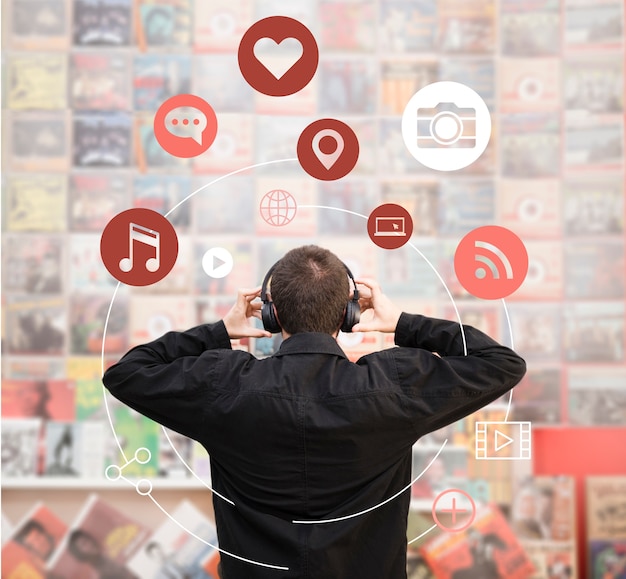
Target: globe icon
x=278, y=207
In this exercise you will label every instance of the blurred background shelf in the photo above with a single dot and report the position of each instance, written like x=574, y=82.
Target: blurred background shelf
x=96, y=484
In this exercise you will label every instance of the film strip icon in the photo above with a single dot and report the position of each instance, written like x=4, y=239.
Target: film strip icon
x=503, y=440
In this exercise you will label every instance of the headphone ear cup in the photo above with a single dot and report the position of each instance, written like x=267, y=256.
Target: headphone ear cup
x=353, y=314
x=268, y=317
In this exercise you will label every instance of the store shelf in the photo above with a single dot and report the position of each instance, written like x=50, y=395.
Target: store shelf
x=65, y=483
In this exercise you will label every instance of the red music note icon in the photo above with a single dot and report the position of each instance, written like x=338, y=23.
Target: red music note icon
x=139, y=247
x=148, y=237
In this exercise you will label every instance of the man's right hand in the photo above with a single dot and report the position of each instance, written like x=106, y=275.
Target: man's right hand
x=238, y=321
x=378, y=313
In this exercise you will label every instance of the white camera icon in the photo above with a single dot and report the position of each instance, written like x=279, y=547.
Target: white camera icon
x=446, y=126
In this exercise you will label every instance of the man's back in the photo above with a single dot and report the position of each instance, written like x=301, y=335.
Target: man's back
x=326, y=446
x=307, y=435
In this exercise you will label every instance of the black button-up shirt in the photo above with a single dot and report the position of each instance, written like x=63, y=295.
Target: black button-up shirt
x=307, y=435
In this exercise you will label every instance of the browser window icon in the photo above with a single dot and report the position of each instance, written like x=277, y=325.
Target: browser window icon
x=390, y=227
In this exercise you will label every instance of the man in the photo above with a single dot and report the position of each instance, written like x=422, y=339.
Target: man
x=307, y=435
x=84, y=547
x=37, y=539
x=170, y=567
x=33, y=398
x=63, y=453
x=39, y=333
x=481, y=548
x=44, y=276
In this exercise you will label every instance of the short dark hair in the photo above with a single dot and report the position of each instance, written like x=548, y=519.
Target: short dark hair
x=74, y=547
x=34, y=526
x=310, y=290
x=152, y=546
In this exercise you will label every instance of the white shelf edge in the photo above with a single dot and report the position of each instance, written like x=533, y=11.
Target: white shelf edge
x=64, y=483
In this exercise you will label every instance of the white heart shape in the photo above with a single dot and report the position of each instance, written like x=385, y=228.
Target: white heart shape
x=289, y=50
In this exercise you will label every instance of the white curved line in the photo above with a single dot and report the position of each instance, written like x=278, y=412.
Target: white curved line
x=175, y=450
x=191, y=470
x=106, y=404
x=443, y=283
x=334, y=209
x=379, y=504
x=420, y=536
x=458, y=315
x=281, y=568
x=224, y=177
x=508, y=321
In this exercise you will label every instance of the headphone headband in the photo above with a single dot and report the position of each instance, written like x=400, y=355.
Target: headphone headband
x=266, y=280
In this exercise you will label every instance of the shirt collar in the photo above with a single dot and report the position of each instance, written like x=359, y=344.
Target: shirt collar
x=310, y=343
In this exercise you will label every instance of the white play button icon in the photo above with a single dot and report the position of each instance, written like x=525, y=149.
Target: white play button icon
x=217, y=262
x=499, y=436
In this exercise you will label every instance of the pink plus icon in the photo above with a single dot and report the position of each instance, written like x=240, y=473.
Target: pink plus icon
x=454, y=503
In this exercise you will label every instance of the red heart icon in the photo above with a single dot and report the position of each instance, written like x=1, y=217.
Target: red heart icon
x=266, y=74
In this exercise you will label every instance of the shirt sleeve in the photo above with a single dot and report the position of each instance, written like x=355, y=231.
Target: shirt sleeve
x=169, y=379
x=447, y=388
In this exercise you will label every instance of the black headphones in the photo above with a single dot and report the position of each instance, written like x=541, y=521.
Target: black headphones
x=270, y=323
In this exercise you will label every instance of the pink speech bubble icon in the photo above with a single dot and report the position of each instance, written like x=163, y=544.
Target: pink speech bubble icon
x=186, y=122
x=185, y=125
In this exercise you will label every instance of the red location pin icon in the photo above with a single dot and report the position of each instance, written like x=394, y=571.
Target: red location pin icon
x=328, y=149
x=328, y=159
